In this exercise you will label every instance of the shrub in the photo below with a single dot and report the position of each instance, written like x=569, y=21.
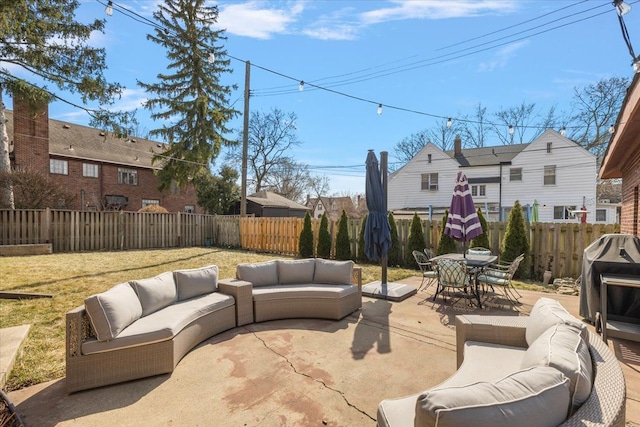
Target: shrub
x=306, y=238
x=416, y=241
x=361, y=257
x=324, y=239
x=393, y=255
x=447, y=245
x=153, y=208
x=343, y=245
x=515, y=241
x=482, y=241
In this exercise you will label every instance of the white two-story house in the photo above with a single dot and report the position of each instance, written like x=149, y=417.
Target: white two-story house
x=554, y=171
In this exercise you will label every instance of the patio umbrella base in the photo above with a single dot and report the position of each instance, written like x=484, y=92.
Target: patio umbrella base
x=390, y=291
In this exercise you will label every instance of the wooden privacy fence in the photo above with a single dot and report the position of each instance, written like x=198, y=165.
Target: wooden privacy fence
x=71, y=231
x=559, y=245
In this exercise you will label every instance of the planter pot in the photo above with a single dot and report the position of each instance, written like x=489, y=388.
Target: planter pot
x=546, y=277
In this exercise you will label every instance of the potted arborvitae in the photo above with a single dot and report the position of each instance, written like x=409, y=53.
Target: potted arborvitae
x=343, y=245
x=324, y=239
x=306, y=238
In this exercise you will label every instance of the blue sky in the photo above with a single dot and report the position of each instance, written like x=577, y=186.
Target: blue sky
x=396, y=53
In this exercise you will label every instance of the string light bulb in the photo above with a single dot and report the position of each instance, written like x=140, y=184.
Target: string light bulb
x=212, y=57
x=449, y=121
x=301, y=86
x=109, y=9
x=612, y=129
x=511, y=130
x=621, y=7
x=563, y=131
x=379, y=109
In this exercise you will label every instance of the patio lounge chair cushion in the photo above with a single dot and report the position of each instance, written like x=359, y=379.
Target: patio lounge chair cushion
x=562, y=347
x=155, y=292
x=547, y=312
x=333, y=272
x=296, y=272
x=112, y=311
x=533, y=397
x=259, y=273
x=197, y=281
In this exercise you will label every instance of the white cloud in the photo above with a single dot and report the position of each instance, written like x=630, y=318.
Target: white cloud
x=131, y=99
x=256, y=19
x=501, y=57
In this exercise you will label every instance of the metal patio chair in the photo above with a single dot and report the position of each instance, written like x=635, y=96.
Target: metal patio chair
x=429, y=275
x=500, y=275
x=453, y=278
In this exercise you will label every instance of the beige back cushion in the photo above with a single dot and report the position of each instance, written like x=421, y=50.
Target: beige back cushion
x=197, y=281
x=333, y=272
x=112, y=311
x=562, y=347
x=155, y=292
x=547, y=312
x=259, y=273
x=534, y=397
x=296, y=272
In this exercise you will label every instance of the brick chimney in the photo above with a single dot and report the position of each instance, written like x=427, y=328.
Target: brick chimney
x=457, y=146
x=30, y=135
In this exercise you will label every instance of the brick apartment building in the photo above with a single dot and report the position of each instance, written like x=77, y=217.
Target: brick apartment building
x=622, y=158
x=103, y=172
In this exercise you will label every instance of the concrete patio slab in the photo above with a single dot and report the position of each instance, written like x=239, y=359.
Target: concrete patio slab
x=297, y=372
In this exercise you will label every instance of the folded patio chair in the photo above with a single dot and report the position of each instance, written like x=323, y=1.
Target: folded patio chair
x=426, y=267
x=501, y=275
x=453, y=278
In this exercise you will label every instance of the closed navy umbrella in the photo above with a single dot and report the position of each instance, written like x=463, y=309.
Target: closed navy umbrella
x=463, y=223
x=377, y=233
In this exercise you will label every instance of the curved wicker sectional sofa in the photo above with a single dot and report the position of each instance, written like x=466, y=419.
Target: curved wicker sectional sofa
x=145, y=327
x=546, y=369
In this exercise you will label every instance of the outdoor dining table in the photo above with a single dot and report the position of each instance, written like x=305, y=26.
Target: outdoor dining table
x=475, y=264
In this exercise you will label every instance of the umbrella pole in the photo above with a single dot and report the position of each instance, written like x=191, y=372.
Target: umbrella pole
x=383, y=169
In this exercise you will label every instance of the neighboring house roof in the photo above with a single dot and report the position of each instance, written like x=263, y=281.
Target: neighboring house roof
x=86, y=143
x=486, y=156
x=269, y=199
x=342, y=202
x=624, y=143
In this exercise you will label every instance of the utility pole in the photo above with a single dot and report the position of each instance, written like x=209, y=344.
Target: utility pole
x=245, y=141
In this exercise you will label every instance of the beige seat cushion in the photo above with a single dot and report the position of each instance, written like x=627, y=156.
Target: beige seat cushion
x=259, y=273
x=534, y=397
x=333, y=272
x=562, y=347
x=155, y=292
x=112, y=311
x=547, y=312
x=294, y=272
x=196, y=282
x=312, y=290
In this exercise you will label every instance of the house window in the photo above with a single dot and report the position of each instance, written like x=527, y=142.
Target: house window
x=428, y=158
x=334, y=207
x=320, y=207
x=550, y=175
x=478, y=190
x=549, y=147
x=189, y=209
x=90, y=170
x=601, y=215
x=515, y=174
x=563, y=212
x=429, y=182
x=127, y=176
x=149, y=202
x=59, y=167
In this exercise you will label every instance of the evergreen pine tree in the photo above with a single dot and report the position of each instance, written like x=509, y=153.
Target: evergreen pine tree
x=306, y=238
x=190, y=101
x=482, y=241
x=416, y=241
x=361, y=256
x=393, y=255
x=324, y=239
x=515, y=240
x=343, y=245
x=447, y=245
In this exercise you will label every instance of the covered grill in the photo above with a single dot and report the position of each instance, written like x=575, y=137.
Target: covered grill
x=610, y=254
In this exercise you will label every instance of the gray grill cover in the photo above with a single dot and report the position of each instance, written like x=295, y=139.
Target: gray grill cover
x=611, y=253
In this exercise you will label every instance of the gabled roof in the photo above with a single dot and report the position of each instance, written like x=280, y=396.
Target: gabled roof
x=86, y=143
x=344, y=202
x=267, y=198
x=487, y=156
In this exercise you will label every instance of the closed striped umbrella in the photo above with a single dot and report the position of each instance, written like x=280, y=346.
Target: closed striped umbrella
x=463, y=223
